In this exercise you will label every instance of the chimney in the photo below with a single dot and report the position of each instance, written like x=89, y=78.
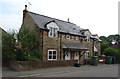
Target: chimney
x=68, y=20
x=25, y=7
x=25, y=11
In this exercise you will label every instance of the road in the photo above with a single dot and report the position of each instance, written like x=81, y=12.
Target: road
x=102, y=70
x=108, y=71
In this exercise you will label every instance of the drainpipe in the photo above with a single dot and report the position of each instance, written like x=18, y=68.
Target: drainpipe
x=93, y=48
x=42, y=41
x=60, y=46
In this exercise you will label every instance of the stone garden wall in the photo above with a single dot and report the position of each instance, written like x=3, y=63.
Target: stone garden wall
x=29, y=65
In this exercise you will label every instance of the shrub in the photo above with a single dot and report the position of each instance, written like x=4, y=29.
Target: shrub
x=29, y=43
x=113, y=52
x=30, y=58
x=8, y=46
x=38, y=54
x=20, y=56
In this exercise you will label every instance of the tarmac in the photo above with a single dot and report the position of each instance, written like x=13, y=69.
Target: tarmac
x=7, y=72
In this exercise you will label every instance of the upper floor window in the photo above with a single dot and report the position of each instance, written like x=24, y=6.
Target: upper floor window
x=53, y=32
x=77, y=38
x=52, y=54
x=87, y=38
x=53, y=29
x=67, y=36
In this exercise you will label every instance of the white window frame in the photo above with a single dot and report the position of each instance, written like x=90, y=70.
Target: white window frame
x=67, y=36
x=54, y=31
x=76, y=38
x=87, y=38
x=52, y=54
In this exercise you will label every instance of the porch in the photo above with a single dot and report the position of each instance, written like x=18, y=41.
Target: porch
x=73, y=51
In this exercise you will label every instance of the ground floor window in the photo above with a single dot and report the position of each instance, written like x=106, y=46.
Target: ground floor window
x=52, y=54
x=76, y=55
x=67, y=55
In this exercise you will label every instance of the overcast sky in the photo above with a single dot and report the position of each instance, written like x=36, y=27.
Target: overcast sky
x=99, y=16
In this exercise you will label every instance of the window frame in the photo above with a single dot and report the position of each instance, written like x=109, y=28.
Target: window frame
x=53, y=31
x=52, y=50
x=87, y=38
x=76, y=38
x=67, y=36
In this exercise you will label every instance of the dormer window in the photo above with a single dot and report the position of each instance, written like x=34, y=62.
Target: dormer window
x=67, y=36
x=53, y=32
x=53, y=29
x=87, y=38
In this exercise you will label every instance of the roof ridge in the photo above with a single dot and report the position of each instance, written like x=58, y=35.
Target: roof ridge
x=51, y=17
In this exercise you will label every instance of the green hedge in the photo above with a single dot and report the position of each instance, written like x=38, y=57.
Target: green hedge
x=113, y=52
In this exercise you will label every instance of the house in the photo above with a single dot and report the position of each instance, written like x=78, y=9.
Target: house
x=115, y=46
x=61, y=40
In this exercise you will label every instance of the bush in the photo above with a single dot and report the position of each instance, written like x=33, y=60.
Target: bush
x=38, y=54
x=29, y=43
x=31, y=58
x=113, y=52
x=34, y=56
x=20, y=56
x=8, y=46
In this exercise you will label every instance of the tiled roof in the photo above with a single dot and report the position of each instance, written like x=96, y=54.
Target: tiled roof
x=74, y=45
x=115, y=46
x=64, y=26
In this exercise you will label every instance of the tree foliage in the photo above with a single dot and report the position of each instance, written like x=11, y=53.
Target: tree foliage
x=8, y=46
x=29, y=44
x=107, y=41
x=113, y=52
x=104, y=45
x=111, y=38
x=103, y=38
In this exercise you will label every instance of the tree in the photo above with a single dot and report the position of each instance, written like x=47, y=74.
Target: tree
x=29, y=44
x=107, y=41
x=113, y=52
x=104, y=45
x=103, y=38
x=8, y=46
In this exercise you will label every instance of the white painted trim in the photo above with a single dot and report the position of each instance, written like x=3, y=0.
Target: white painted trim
x=52, y=54
x=68, y=57
x=67, y=35
x=76, y=57
x=53, y=25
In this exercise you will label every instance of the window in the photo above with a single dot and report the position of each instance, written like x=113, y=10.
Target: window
x=87, y=38
x=53, y=32
x=52, y=54
x=77, y=38
x=67, y=36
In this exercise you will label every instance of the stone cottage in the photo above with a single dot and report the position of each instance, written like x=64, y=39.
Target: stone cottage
x=61, y=40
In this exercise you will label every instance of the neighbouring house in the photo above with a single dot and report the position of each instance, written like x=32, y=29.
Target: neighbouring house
x=61, y=40
x=115, y=46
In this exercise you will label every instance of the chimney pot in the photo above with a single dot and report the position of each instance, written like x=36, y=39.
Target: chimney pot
x=68, y=20
x=25, y=7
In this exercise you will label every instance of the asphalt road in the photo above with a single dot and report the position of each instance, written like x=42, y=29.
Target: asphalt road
x=107, y=71
x=102, y=70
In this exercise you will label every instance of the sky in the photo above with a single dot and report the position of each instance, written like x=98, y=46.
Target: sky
x=99, y=16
